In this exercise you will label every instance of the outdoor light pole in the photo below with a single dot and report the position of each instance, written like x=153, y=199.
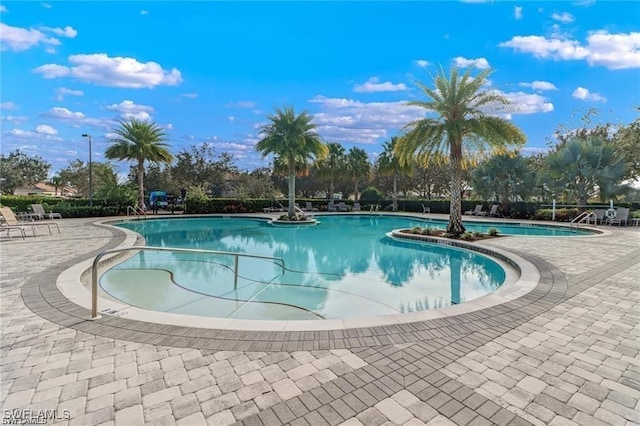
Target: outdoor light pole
x=85, y=135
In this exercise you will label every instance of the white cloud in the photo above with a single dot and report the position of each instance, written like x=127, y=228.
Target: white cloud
x=74, y=118
x=585, y=95
x=144, y=12
x=422, y=63
x=51, y=50
x=103, y=70
x=564, y=17
x=241, y=104
x=540, y=85
x=584, y=3
x=3, y=9
x=348, y=120
x=129, y=109
x=19, y=133
x=46, y=5
x=67, y=31
x=480, y=63
x=190, y=95
x=517, y=12
x=613, y=51
x=372, y=85
x=8, y=105
x=16, y=120
x=169, y=126
x=18, y=39
x=61, y=92
x=231, y=118
x=45, y=129
x=526, y=103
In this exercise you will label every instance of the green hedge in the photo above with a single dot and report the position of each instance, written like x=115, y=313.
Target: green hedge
x=562, y=215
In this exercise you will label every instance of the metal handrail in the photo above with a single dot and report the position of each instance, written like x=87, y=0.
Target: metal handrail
x=136, y=210
x=582, y=217
x=96, y=261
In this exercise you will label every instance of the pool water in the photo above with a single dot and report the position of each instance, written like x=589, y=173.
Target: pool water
x=343, y=267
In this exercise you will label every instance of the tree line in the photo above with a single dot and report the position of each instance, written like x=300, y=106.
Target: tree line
x=462, y=148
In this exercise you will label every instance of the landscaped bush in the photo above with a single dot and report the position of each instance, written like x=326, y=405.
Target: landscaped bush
x=371, y=195
x=562, y=215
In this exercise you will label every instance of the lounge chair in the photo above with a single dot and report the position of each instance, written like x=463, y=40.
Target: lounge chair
x=342, y=207
x=8, y=225
x=622, y=215
x=331, y=207
x=11, y=220
x=356, y=207
x=494, y=211
x=39, y=210
x=600, y=215
x=4, y=227
x=425, y=209
x=309, y=207
x=477, y=211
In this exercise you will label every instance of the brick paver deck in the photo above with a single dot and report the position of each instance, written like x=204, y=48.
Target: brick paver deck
x=566, y=353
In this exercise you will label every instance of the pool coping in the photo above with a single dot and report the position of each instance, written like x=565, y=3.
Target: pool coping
x=72, y=284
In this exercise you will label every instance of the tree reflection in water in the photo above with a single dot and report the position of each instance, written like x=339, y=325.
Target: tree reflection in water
x=343, y=263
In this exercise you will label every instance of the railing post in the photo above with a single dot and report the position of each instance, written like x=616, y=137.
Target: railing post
x=94, y=288
x=235, y=274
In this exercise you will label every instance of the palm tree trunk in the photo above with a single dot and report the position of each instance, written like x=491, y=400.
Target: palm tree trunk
x=292, y=189
x=355, y=197
x=395, y=192
x=331, y=188
x=455, y=210
x=141, y=183
x=455, y=268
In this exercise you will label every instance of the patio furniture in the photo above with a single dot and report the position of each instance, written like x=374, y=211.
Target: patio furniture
x=356, y=207
x=425, y=209
x=11, y=220
x=342, y=207
x=622, y=215
x=38, y=209
x=494, y=211
x=309, y=207
x=477, y=211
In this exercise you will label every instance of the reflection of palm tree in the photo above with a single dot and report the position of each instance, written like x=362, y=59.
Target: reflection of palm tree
x=454, y=265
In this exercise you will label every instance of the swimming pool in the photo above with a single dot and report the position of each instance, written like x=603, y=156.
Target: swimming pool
x=344, y=267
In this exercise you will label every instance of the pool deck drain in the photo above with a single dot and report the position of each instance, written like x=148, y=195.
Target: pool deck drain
x=565, y=352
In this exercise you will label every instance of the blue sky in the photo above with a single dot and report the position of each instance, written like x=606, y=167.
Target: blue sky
x=210, y=71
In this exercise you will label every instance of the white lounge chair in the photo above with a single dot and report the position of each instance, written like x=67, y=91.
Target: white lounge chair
x=425, y=209
x=494, y=211
x=10, y=223
x=11, y=220
x=477, y=211
x=331, y=207
x=342, y=207
x=38, y=209
x=622, y=215
x=356, y=207
x=309, y=207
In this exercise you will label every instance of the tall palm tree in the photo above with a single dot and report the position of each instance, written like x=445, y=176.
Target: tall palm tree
x=358, y=166
x=462, y=104
x=333, y=165
x=293, y=140
x=139, y=141
x=390, y=165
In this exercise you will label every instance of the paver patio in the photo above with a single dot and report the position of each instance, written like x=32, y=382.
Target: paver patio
x=566, y=353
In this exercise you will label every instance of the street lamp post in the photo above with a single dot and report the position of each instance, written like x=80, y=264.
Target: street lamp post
x=85, y=135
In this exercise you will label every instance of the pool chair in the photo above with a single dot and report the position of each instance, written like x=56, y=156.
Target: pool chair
x=622, y=215
x=342, y=207
x=600, y=215
x=11, y=220
x=331, y=207
x=425, y=209
x=356, y=207
x=39, y=211
x=309, y=207
x=494, y=211
x=477, y=211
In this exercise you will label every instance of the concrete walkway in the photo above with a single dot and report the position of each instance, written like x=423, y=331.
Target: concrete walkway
x=567, y=353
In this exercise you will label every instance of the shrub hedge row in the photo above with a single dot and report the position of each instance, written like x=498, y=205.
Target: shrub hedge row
x=79, y=207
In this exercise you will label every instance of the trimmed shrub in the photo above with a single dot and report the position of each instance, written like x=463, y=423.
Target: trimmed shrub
x=371, y=195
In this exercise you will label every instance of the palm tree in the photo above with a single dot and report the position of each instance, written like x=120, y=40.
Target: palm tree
x=293, y=140
x=333, y=165
x=389, y=165
x=358, y=166
x=139, y=141
x=56, y=181
x=461, y=103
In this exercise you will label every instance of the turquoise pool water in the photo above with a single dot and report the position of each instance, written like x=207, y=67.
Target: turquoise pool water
x=343, y=267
